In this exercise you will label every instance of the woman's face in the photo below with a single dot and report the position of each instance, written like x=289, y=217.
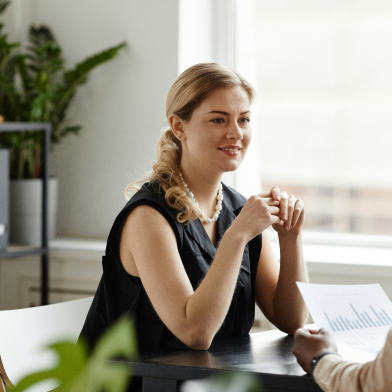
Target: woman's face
x=218, y=134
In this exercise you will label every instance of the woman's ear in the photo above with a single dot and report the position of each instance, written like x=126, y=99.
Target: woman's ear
x=178, y=127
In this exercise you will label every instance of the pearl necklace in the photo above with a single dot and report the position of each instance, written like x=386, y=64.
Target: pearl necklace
x=218, y=207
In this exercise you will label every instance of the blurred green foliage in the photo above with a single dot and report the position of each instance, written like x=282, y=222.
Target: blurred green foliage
x=78, y=372
x=35, y=87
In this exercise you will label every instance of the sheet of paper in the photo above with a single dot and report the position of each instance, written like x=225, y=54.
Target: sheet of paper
x=359, y=316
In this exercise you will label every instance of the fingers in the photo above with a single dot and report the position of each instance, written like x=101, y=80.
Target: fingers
x=268, y=199
x=275, y=220
x=275, y=215
x=275, y=193
x=300, y=332
x=275, y=211
x=283, y=206
x=290, y=209
x=298, y=208
x=325, y=333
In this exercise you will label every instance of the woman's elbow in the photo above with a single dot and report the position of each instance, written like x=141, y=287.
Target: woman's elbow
x=290, y=330
x=198, y=340
x=290, y=326
x=199, y=345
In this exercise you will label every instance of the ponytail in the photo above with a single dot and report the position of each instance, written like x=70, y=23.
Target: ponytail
x=166, y=172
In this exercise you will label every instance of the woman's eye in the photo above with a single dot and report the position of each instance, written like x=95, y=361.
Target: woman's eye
x=245, y=120
x=218, y=120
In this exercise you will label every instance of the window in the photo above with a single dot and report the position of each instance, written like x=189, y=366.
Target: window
x=323, y=113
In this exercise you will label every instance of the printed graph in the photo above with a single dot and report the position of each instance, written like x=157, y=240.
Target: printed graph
x=359, y=316
x=359, y=319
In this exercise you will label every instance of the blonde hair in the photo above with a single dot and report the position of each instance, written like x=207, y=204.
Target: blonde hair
x=185, y=95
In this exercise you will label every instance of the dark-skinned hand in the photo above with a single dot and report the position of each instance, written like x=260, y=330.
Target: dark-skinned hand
x=310, y=343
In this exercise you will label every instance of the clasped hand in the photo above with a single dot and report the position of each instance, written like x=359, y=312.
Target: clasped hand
x=292, y=212
x=284, y=212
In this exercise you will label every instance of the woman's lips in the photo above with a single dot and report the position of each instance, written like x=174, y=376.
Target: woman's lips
x=230, y=151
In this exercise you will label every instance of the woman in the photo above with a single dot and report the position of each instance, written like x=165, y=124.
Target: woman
x=184, y=256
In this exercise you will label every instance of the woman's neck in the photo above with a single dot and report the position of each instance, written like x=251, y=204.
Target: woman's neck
x=203, y=186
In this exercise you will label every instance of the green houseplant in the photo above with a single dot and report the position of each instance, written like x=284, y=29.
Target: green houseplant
x=34, y=86
x=79, y=371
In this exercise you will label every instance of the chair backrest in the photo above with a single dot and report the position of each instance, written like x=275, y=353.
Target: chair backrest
x=24, y=334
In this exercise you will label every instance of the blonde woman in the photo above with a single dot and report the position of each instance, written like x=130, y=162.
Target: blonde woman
x=188, y=257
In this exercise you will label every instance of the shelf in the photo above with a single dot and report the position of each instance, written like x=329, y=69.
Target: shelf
x=42, y=250
x=20, y=251
x=16, y=126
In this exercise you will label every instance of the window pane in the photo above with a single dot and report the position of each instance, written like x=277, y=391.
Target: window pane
x=323, y=113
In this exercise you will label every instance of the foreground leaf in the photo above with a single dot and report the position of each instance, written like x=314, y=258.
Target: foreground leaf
x=77, y=372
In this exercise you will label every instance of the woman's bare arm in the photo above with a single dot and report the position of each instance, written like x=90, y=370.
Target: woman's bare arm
x=277, y=294
x=193, y=316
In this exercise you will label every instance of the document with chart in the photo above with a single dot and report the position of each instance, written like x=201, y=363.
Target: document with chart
x=359, y=316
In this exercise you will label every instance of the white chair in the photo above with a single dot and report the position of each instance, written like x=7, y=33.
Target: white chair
x=24, y=334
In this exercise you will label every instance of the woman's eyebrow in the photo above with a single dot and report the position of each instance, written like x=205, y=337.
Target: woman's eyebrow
x=225, y=113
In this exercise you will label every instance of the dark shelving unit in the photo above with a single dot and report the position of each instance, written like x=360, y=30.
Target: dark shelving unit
x=43, y=250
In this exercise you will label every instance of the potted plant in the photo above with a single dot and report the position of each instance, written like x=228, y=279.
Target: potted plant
x=35, y=87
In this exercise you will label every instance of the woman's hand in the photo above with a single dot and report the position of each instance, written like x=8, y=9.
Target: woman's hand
x=259, y=212
x=292, y=213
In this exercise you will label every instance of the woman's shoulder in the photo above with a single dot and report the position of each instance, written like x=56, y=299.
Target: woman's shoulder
x=150, y=194
x=149, y=191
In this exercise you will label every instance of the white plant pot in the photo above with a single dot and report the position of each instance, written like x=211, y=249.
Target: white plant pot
x=26, y=210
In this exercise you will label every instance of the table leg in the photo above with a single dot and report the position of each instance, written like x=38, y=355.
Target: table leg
x=155, y=384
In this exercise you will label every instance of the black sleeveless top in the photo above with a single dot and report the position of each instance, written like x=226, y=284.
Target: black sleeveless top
x=119, y=293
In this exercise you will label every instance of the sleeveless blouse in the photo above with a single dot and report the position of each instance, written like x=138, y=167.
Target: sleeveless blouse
x=119, y=293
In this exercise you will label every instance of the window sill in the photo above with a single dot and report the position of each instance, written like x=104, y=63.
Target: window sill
x=77, y=249
x=345, y=254
x=329, y=253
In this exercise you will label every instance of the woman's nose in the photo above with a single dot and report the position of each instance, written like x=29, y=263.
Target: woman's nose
x=234, y=132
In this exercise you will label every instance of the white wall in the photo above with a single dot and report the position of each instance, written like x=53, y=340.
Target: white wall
x=16, y=18
x=121, y=107
x=195, y=33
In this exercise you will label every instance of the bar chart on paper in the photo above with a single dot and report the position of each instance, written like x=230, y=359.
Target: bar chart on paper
x=359, y=316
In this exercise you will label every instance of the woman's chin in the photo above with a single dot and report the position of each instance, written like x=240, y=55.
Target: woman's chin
x=231, y=166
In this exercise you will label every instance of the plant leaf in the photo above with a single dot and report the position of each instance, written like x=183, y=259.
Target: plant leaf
x=72, y=359
x=119, y=340
x=78, y=373
x=4, y=5
x=78, y=75
x=40, y=35
x=71, y=129
x=34, y=87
